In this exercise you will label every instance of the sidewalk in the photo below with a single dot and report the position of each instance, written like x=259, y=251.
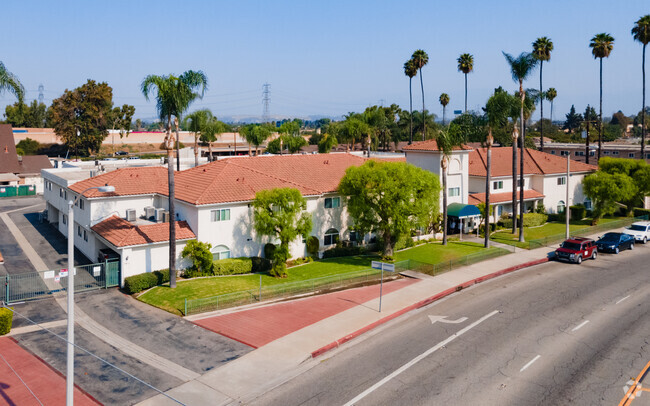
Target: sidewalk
x=274, y=363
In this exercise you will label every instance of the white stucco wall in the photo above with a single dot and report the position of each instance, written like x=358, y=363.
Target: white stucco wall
x=148, y=258
x=457, y=171
x=554, y=192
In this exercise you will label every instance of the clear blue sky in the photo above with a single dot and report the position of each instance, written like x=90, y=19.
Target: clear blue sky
x=327, y=57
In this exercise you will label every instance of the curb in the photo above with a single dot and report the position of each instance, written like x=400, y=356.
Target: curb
x=423, y=303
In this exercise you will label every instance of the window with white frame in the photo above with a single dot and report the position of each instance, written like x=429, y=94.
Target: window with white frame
x=614, y=152
x=561, y=180
x=65, y=195
x=496, y=185
x=580, y=153
x=220, y=252
x=79, y=231
x=220, y=215
x=560, y=206
x=331, y=237
x=647, y=156
x=552, y=152
x=454, y=191
x=65, y=219
x=332, y=202
x=592, y=153
x=630, y=155
x=587, y=203
x=564, y=153
x=606, y=152
x=81, y=204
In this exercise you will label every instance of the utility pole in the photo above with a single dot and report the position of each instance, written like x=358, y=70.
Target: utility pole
x=266, y=101
x=566, y=207
x=41, y=97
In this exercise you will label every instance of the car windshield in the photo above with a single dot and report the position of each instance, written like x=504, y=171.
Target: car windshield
x=571, y=245
x=610, y=237
x=636, y=227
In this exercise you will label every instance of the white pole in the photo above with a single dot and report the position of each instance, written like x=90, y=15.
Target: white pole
x=566, y=210
x=69, y=379
x=381, y=286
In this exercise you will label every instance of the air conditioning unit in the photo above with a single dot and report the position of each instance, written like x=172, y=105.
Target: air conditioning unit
x=150, y=212
x=130, y=215
x=159, y=214
x=165, y=217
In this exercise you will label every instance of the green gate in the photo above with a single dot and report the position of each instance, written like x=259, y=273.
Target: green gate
x=8, y=191
x=112, y=273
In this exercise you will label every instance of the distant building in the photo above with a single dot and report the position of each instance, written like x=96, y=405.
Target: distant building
x=21, y=174
x=610, y=149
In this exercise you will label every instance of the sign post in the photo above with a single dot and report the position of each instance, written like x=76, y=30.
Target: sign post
x=384, y=267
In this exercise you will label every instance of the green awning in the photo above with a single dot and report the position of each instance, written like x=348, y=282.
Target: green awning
x=462, y=210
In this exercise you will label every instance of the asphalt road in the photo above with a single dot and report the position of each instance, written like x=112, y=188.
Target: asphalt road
x=553, y=334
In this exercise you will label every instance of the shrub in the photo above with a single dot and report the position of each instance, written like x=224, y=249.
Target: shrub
x=299, y=261
x=638, y=212
x=199, y=253
x=269, y=251
x=404, y=242
x=279, y=268
x=6, y=318
x=138, y=283
x=530, y=220
x=556, y=217
x=540, y=208
x=260, y=265
x=578, y=212
x=313, y=245
x=163, y=146
x=343, y=252
x=232, y=266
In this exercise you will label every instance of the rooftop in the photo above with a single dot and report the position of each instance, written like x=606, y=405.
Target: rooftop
x=432, y=145
x=476, y=198
x=535, y=163
x=122, y=233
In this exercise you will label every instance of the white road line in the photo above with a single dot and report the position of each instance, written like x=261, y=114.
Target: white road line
x=419, y=358
x=529, y=363
x=576, y=328
x=620, y=300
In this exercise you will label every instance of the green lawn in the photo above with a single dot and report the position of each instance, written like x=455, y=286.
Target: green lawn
x=173, y=300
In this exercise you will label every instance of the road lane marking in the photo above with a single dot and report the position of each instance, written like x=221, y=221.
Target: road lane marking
x=442, y=319
x=576, y=328
x=529, y=363
x=419, y=358
x=620, y=300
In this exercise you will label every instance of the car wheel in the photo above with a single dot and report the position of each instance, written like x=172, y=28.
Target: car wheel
x=617, y=250
x=579, y=259
x=631, y=246
x=594, y=254
x=645, y=240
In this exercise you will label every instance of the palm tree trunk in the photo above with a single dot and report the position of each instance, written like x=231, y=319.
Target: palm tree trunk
x=443, y=114
x=587, y=145
x=551, y=111
x=600, y=115
x=486, y=243
x=178, y=145
x=514, y=183
x=172, y=214
x=643, y=109
x=196, y=149
x=466, y=93
x=210, y=150
x=410, y=112
x=541, y=109
x=424, y=121
x=249, y=149
x=444, y=200
x=521, y=164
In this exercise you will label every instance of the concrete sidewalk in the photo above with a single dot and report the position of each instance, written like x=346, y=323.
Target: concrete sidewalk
x=257, y=372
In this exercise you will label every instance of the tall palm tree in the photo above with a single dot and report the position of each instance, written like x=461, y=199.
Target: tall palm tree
x=9, y=82
x=420, y=59
x=197, y=122
x=410, y=70
x=173, y=96
x=520, y=68
x=446, y=141
x=601, y=46
x=542, y=48
x=550, y=95
x=465, y=65
x=444, y=100
x=641, y=33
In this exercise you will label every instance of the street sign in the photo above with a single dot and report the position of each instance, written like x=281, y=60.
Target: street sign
x=63, y=273
x=389, y=267
x=376, y=265
x=584, y=134
x=458, y=111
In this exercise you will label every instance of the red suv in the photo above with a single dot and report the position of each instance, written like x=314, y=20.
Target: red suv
x=576, y=249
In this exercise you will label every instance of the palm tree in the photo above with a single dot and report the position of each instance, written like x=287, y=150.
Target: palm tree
x=214, y=128
x=601, y=46
x=520, y=68
x=9, y=82
x=542, y=48
x=410, y=70
x=444, y=100
x=550, y=95
x=465, y=65
x=173, y=96
x=198, y=121
x=446, y=141
x=641, y=33
x=420, y=59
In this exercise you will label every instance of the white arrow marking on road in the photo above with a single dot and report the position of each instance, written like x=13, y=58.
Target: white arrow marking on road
x=442, y=319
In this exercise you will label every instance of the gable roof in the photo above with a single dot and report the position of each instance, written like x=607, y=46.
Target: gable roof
x=121, y=233
x=8, y=157
x=535, y=163
x=476, y=198
x=34, y=163
x=127, y=182
x=432, y=145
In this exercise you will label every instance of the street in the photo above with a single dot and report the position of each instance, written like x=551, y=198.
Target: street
x=552, y=334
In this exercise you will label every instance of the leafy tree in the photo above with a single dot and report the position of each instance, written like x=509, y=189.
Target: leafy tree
x=551, y=94
x=199, y=253
x=352, y=129
x=9, y=82
x=255, y=134
x=420, y=59
x=280, y=214
x=641, y=33
x=465, y=65
x=573, y=120
x=121, y=118
x=138, y=125
x=292, y=143
x=174, y=94
x=444, y=100
x=542, y=48
x=82, y=116
x=606, y=190
x=21, y=115
x=498, y=109
x=197, y=122
x=422, y=122
x=29, y=146
x=410, y=70
x=469, y=127
x=213, y=128
x=620, y=119
x=601, y=46
x=390, y=199
x=326, y=144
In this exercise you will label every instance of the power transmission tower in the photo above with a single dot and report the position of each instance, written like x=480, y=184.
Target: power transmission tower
x=41, y=98
x=266, y=101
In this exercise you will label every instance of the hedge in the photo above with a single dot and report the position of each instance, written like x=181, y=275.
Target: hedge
x=638, y=212
x=138, y=283
x=530, y=220
x=578, y=212
x=343, y=252
x=260, y=265
x=232, y=266
x=6, y=317
x=313, y=245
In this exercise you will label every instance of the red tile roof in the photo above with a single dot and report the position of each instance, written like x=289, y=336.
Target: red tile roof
x=431, y=145
x=127, y=182
x=535, y=162
x=476, y=198
x=121, y=233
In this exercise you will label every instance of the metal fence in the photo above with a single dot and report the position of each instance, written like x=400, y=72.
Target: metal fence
x=557, y=238
x=37, y=285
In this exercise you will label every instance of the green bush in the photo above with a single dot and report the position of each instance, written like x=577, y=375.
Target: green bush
x=269, y=251
x=199, y=253
x=299, y=261
x=343, y=252
x=404, y=242
x=232, y=266
x=280, y=256
x=138, y=283
x=530, y=220
x=6, y=318
x=578, y=212
x=638, y=212
x=313, y=245
x=540, y=208
x=260, y=265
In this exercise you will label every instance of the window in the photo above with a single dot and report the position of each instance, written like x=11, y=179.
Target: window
x=519, y=182
x=454, y=191
x=560, y=206
x=592, y=153
x=606, y=152
x=353, y=236
x=79, y=231
x=497, y=185
x=630, y=155
x=564, y=153
x=499, y=210
x=60, y=192
x=561, y=180
x=332, y=202
x=587, y=203
x=85, y=236
x=647, y=156
x=580, y=153
x=220, y=252
x=331, y=237
x=220, y=215
x=65, y=219
x=81, y=204
x=552, y=152
x=614, y=152
x=65, y=195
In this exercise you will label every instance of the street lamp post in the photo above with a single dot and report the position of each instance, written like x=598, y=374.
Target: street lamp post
x=69, y=379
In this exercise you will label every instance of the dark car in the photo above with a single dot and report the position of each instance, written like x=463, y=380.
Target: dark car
x=576, y=249
x=121, y=153
x=615, y=242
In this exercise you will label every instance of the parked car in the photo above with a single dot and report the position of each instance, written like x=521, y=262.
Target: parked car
x=640, y=231
x=577, y=249
x=121, y=153
x=615, y=242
